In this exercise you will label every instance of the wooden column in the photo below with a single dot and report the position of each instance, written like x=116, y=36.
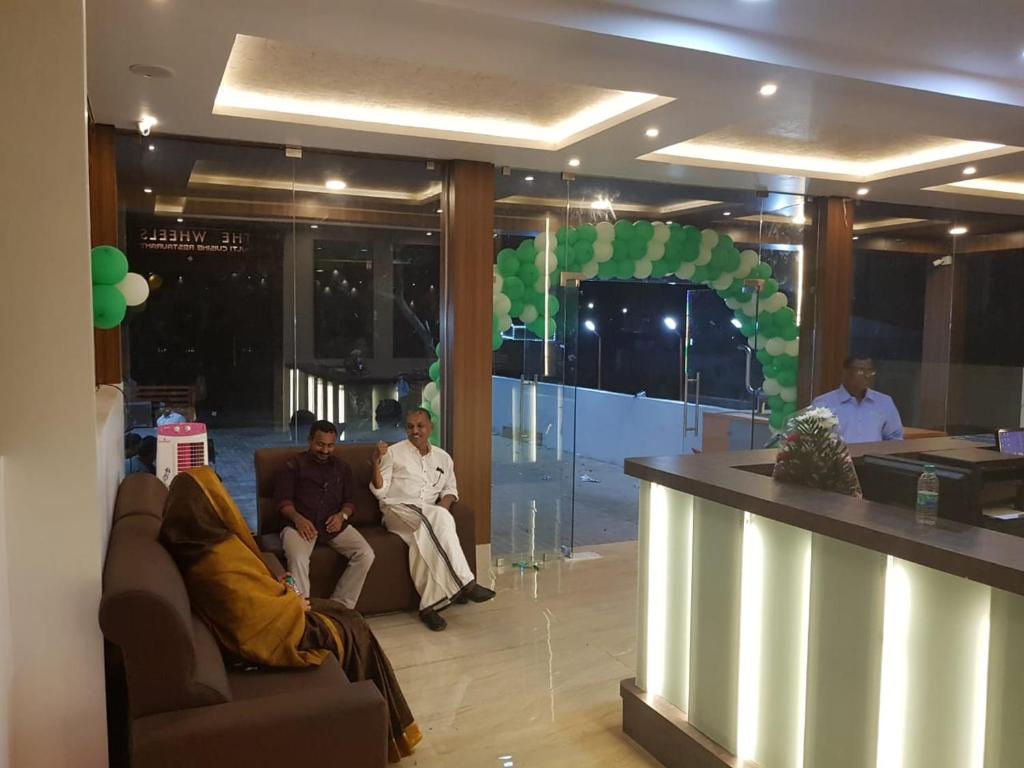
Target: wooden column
x=103, y=221
x=943, y=344
x=466, y=332
x=828, y=295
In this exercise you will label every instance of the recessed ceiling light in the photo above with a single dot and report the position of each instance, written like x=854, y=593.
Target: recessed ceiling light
x=574, y=162
x=440, y=210
x=335, y=184
x=148, y=190
x=958, y=231
x=429, y=234
x=146, y=123
x=856, y=237
x=528, y=178
x=863, y=191
x=181, y=221
x=727, y=213
x=970, y=170
x=768, y=89
x=625, y=310
x=151, y=71
x=314, y=226
x=652, y=133
x=152, y=147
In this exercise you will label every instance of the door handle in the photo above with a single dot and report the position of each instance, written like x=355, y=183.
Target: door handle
x=695, y=429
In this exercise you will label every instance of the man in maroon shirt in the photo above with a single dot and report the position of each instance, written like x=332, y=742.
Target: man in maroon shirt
x=314, y=494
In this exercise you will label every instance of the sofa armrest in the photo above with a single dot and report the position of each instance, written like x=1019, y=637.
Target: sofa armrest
x=338, y=725
x=465, y=526
x=273, y=563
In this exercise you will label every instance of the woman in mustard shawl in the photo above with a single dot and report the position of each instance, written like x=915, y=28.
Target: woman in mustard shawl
x=254, y=615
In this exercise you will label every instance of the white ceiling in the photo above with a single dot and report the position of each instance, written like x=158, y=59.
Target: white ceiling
x=896, y=72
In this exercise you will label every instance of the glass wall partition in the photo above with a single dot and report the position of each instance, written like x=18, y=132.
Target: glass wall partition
x=282, y=290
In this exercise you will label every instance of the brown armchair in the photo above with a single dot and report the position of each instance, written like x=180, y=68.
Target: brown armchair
x=388, y=586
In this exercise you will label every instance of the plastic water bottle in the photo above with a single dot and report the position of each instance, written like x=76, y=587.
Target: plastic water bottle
x=927, y=509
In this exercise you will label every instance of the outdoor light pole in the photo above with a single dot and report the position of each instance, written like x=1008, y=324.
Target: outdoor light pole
x=592, y=327
x=673, y=325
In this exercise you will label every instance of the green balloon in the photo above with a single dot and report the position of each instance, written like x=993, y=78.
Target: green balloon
x=620, y=250
x=109, y=266
x=624, y=269
x=777, y=419
x=764, y=271
x=527, y=250
x=508, y=262
x=108, y=306
x=766, y=324
x=586, y=233
x=788, y=332
x=787, y=378
x=786, y=363
x=517, y=307
x=644, y=231
x=567, y=235
x=726, y=255
x=769, y=288
x=494, y=324
x=637, y=249
x=549, y=307
x=513, y=287
x=659, y=268
x=562, y=252
x=770, y=371
x=786, y=316
x=763, y=357
x=495, y=342
x=624, y=230
x=789, y=409
x=434, y=372
x=700, y=275
x=437, y=350
x=583, y=251
x=528, y=273
x=747, y=327
x=606, y=269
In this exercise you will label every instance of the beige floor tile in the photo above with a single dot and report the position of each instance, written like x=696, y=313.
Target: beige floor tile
x=531, y=677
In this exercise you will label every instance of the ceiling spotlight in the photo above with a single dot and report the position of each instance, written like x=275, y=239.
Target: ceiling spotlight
x=736, y=323
x=429, y=234
x=727, y=213
x=863, y=191
x=970, y=170
x=652, y=133
x=671, y=323
x=335, y=184
x=152, y=147
x=148, y=190
x=527, y=178
x=589, y=325
x=314, y=226
x=856, y=237
x=625, y=310
x=574, y=162
x=146, y=124
x=958, y=231
x=440, y=210
x=768, y=89
x=181, y=221
x=590, y=305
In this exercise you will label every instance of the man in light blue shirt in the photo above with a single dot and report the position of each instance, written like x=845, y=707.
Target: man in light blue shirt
x=865, y=416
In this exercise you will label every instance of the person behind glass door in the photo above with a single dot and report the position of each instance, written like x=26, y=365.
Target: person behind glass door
x=313, y=492
x=865, y=415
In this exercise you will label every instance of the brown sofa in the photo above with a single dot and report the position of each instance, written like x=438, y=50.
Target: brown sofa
x=185, y=707
x=388, y=586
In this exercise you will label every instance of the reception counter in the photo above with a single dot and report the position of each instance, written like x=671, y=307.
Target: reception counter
x=795, y=628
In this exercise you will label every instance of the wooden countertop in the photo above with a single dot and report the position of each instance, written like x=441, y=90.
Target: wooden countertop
x=979, y=554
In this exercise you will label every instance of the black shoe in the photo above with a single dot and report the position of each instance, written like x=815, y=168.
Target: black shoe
x=479, y=594
x=433, y=619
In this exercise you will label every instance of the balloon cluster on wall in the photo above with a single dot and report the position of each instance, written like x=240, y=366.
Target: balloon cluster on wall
x=432, y=396
x=639, y=250
x=114, y=288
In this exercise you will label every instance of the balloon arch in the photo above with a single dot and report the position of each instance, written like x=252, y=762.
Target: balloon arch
x=524, y=277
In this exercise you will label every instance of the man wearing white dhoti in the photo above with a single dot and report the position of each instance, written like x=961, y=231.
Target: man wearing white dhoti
x=415, y=485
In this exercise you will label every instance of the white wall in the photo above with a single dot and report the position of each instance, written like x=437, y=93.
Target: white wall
x=54, y=712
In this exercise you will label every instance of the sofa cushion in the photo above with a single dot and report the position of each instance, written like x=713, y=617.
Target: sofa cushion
x=143, y=495
x=273, y=682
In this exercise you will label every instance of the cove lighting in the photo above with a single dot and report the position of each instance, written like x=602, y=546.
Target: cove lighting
x=751, y=618
x=335, y=184
x=657, y=581
x=863, y=191
x=958, y=231
x=892, y=701
x=652, y=133
x=574, y=162
x=970, y=170
x=769, y=89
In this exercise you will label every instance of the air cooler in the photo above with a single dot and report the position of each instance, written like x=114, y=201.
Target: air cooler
x=179, y=447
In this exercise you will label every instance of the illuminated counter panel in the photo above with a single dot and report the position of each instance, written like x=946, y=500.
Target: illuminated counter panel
x=794, y=628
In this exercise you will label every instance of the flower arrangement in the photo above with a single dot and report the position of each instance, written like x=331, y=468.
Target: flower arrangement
x=811, y=453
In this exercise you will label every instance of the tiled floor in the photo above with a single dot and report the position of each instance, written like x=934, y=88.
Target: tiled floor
x=531, y=677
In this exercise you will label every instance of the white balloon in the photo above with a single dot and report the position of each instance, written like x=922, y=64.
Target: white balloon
x=502, y=304
x=605, y=231
x=504, y=323
x=703, y=256
x=541, y=286
x=499, y=281
x=775, y=346
x=722, y=282
x=655, y=250
x=545, y=263
x=603, y=250
x=134, y=288
x=529, y=313
x=686, y=270
x=430, y=391
x=748, y=259
x=788, y=394
x=771, y=387
x=742, y=271
x=750, y=308
x=761, y=342
x=540, y=241
x=661, y=233
x=589, y=269
x=708, y=238
x=732, y=304
x=793, y=347
x=642, y=269
x=775, y=302
x=435, y=404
